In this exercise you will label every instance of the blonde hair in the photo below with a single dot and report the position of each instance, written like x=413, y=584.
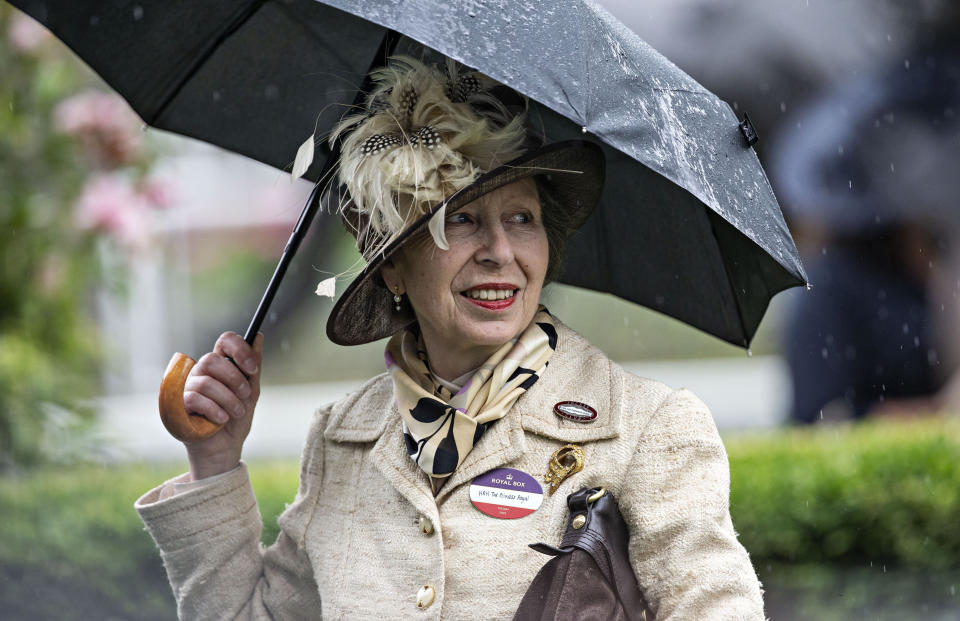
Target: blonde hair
x=427, y=133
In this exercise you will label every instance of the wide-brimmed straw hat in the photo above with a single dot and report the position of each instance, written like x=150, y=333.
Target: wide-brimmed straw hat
x=431, y=140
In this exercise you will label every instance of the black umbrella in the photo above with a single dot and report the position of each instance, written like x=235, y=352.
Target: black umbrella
x=688, y=224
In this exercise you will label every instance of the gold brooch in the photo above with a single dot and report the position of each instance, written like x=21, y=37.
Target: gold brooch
x=565, y=462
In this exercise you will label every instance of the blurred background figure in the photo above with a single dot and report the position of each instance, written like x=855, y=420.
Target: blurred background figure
x=868, y=174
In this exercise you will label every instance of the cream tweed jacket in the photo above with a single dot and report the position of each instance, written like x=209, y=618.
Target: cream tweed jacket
x=350, y=546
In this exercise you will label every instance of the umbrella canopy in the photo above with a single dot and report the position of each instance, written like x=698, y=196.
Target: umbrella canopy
x=688, y=224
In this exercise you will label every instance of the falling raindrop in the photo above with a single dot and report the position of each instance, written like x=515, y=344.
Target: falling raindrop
x=906, y=64
x=138, y=12
x=583, y=129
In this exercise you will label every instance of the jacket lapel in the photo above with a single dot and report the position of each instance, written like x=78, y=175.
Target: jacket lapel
x=394, y=463
x=371, y=416
x=577, y=372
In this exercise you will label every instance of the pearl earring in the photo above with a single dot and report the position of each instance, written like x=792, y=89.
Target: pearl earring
x=396, y=298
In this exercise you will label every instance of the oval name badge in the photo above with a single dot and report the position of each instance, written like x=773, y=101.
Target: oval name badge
x=575, y=411
x=506, y=493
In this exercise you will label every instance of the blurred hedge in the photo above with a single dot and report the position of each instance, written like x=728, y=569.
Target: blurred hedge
x=880, y=492
x=72, y=541
x=861, y=496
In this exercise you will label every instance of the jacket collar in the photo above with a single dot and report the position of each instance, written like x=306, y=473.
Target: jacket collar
x=577, y=372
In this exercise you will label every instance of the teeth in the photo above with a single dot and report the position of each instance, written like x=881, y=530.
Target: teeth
x=490, y=294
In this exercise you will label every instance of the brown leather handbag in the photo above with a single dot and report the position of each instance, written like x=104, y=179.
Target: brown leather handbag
x=589, y=576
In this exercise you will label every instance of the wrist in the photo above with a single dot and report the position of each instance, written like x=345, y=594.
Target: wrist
x=203, y=466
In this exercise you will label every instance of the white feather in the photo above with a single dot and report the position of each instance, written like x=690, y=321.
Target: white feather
x=437, y=227
x=327, y=288
x=304, y=158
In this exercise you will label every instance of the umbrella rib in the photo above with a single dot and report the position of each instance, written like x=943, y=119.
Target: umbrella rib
x=242, y=17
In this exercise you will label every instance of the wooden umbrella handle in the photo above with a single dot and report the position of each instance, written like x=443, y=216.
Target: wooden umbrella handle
x=181, y=424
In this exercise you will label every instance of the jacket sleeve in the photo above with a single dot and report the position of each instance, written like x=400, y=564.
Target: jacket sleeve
x=675, y=500
x=209, y=539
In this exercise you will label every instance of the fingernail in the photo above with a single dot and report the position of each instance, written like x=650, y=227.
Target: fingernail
x=244, y=391
x=250, y=365
x=240, y=410
x=222, y=417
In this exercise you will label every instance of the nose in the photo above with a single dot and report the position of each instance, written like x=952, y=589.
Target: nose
x=496, y=249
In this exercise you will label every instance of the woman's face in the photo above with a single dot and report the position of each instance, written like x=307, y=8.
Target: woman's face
x=485, y=289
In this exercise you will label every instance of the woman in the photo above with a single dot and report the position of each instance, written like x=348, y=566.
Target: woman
x=459, y=246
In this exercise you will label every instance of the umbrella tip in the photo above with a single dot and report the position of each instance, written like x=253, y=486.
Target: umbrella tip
x=809, y=286
x=749, y=353
x=748, y=130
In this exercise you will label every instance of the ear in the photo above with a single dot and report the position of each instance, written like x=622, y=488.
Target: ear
x=391, y=276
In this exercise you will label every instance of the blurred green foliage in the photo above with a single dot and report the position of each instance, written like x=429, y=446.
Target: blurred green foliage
x=73, y=540
x=47, y=349
x=880, y=492
x=49, y=356
x=828, y=592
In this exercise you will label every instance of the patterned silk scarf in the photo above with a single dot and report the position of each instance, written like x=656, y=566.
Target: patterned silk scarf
x=439, y=427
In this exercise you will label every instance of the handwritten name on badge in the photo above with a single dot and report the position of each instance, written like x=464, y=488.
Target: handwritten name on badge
x=506, y=493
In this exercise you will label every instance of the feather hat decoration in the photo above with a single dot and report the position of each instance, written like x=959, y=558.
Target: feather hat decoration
x=426, y=133
x=429, y=140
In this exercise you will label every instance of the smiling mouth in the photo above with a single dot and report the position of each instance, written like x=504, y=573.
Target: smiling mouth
x=491, y=296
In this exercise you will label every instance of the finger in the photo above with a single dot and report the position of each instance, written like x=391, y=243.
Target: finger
x=232, y=345
x=214, y=390
x=196, y=403
x=255, y=377
x=221, y=369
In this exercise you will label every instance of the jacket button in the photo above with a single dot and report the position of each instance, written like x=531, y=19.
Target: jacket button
x=425, y=596
x=426, y=526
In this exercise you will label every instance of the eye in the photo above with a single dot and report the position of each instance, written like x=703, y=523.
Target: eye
x=521, y=218
x=459, y=218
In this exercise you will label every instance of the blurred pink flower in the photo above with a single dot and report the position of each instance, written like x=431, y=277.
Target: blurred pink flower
x=110, y=203
x=106, y=127
x=25, y=34
x=159, y=193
